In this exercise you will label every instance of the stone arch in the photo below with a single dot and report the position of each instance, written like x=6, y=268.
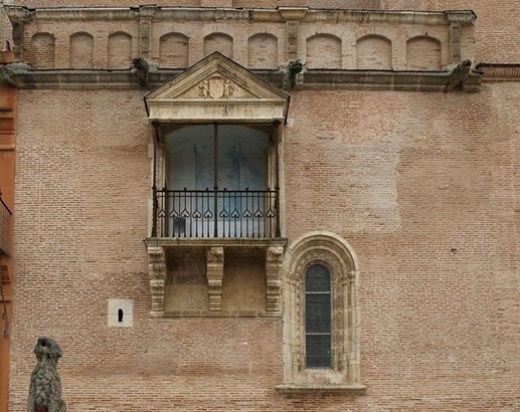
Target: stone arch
x=119, y=50
x=324, y=52
x=374, y=52
x=263, y=51
x=423, y=53
x=220, y=42
x=43, y=47
x=81, y=50
x=173, y=50
x=337, y=256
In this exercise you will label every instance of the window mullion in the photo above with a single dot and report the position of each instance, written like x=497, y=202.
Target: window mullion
x=215, y=179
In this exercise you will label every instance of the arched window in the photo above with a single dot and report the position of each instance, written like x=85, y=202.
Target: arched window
x=321, y=323
x=318, y=325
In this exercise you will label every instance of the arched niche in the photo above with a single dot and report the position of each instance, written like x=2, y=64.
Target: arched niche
x=43, y=46
x=263, y=51
x=173, y=50
x=423, y=53
x=218, y=42
x=324, y=52
x=119, y=50
x=81, y=50
x=374, y=52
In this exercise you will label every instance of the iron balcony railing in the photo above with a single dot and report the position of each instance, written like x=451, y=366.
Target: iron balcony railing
x=216, y=213
x=5, y=227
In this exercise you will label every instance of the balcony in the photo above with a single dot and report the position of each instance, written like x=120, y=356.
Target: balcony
x=5, y=228
x=219, y=214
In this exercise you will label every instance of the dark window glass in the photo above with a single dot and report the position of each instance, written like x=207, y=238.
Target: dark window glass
x=318, y=317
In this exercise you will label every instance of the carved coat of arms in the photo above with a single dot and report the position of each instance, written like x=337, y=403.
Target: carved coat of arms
x=216, y=88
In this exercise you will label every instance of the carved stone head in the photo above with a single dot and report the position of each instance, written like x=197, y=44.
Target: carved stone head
x=47, y=349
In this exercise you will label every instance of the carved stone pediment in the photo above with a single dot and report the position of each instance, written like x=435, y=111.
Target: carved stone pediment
x=217, y=89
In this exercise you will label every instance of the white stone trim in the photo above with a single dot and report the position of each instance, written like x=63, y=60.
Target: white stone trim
x=335, y=253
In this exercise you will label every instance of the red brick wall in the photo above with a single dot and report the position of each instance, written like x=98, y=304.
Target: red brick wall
x=422, y=185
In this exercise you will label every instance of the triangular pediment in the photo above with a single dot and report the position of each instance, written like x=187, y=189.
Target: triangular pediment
x=217, y=89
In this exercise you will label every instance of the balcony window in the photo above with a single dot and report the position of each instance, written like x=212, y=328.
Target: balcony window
x=216, y=245
x=217, y=182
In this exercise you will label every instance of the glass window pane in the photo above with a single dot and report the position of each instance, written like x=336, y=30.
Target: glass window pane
x=318, y=351
x=190, y=157
x=242, y=158
x=317, y=279
x=317, y=311
x=318, y=325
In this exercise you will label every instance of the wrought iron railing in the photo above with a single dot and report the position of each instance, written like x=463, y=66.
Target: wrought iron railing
x=216, y=213
x=5, y=227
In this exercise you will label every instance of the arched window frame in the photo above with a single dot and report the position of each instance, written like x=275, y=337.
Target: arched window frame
x=337, y=256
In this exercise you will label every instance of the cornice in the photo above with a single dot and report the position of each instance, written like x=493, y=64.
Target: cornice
x=422, y=81
x=278, y=15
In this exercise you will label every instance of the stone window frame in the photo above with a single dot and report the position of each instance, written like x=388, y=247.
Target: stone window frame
x=333, y=252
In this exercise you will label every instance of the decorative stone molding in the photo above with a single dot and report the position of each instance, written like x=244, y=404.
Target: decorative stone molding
x=157, y=274
x=306, y=80
x=215, y=273
x=215, y=250
x=146, y=15
x=273, y=273
x=216, y=88
x=293, y=13
x=337, y=256
x=463, y=17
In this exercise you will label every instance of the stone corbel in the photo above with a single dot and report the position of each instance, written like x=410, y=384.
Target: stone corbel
x=215, y=273
x=273, y=269
x=157, y=273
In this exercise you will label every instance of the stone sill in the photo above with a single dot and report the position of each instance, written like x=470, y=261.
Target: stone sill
x=211, y=242
x=313, y=79
x=340, y=389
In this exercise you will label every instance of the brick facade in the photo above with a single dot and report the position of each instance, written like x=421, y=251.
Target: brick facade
x=422, y=185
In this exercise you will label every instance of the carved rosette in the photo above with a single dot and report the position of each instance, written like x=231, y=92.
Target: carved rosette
x=157, y=273
x=215, y=273
x=273, y=269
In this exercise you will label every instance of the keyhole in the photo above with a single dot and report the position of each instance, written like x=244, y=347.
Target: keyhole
x=120, y=315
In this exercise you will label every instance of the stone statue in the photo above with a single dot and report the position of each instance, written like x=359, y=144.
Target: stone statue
x=459, y=76
x=45, y=386
x=293, y=68
x=142, y=70
x=8, y=77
